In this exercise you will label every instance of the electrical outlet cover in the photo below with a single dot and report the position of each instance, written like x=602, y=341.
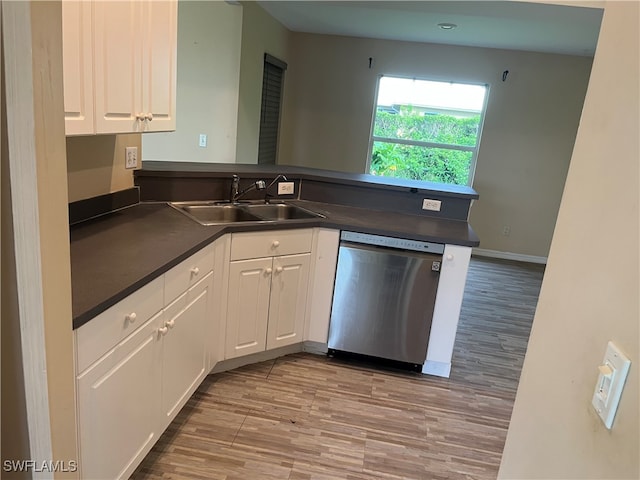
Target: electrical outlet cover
x=131, y=157
x=433, y=205
x=285, y=188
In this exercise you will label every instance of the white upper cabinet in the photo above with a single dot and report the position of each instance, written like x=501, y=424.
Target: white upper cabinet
x=132, y=48
x=118, y=67
x=78, y=67
x=159, y=65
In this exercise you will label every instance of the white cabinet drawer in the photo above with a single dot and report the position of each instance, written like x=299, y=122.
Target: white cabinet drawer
x=98, y=336
x=186, y=274
x=270, y=244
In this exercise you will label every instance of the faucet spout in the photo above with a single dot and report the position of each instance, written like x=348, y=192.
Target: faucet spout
x=235, y=188
x=236, y=193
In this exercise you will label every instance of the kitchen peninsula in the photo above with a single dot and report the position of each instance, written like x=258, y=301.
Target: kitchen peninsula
x=159, y=297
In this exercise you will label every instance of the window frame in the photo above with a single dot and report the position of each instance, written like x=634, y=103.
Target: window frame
x=270, y=111
x=474, y=150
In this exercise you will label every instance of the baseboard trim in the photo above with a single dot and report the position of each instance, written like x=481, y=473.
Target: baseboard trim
x=317, y=348
x=439, y=369
x=234, y=363
x=519, y=257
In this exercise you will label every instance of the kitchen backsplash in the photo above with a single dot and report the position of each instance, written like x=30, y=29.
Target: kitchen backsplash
x=96, y=164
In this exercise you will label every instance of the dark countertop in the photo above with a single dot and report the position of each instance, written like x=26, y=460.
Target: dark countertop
x=114, y=255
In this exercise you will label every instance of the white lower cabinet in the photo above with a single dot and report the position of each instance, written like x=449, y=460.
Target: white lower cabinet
x=184, y=355
x=288, y=300
x=267, y=296
x=248, y=306
x=138, y=363
x=118, y=405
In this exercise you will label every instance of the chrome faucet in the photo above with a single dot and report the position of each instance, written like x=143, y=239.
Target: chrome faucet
x=235, y=188
x=235, y=193
x=266, y=192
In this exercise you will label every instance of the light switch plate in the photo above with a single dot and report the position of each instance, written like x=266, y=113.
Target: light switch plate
x=285, y=188
x=612, y=374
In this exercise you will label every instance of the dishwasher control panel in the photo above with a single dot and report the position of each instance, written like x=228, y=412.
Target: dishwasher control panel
x=392, y=242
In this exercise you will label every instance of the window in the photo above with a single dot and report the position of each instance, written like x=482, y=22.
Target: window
x=272, y=82
x=426, y=130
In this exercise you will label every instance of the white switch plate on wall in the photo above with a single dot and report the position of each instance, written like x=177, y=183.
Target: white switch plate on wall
x=202, y=140
x=611, y=377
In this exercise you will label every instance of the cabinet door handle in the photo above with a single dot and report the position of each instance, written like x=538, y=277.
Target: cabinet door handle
x=275, y=244
x=268, y=271
x=279, y=269
x=171, y=323
x=149, y=116
x=131, y=317
x=195, y=270
x=163, y=330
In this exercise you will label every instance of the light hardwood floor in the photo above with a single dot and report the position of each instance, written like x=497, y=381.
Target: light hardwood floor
x=310, y=417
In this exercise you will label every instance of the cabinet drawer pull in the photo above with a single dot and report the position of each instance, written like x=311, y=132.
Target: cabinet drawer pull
x=163, y=330
x=131, y=317
x=275, y=244
x=170, y=323
x=195, y=271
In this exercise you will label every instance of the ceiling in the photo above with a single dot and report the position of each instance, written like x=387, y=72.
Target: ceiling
x=514, y=25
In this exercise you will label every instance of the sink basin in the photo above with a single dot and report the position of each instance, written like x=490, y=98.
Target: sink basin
x=281, y=211
x=206, y=213
x=212, y=213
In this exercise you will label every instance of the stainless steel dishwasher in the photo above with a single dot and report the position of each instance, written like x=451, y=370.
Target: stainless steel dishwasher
x=383, y=298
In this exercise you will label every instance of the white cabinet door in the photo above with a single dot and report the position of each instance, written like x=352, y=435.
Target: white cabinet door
x=159, y=65
x=288, y=300
x=117, y=60
x=77, y=56
x=118, y=402
x=218, y=320
x=120, y=66
x=321, y=280
x=184, y=343
x=248, y=306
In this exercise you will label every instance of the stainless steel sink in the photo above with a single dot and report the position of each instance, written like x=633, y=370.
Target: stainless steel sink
x=212, y=213
x=282, y=211
x=208, y=213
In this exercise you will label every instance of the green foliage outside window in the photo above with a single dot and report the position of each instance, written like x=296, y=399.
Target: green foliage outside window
x=432, y=164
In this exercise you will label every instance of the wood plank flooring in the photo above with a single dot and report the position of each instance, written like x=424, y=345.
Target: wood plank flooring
x=306, y=416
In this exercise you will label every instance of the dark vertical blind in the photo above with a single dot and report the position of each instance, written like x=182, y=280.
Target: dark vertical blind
x=272, y=83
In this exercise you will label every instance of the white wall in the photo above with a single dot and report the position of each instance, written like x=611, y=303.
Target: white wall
x=527, y=139
x=590, y=291
x=209, y=42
